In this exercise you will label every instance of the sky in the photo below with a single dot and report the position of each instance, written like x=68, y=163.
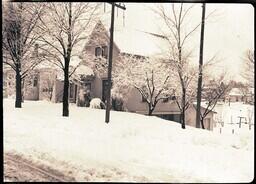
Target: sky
x=229, y=31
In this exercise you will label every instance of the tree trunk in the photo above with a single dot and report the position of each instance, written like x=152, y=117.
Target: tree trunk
x=150, y=110
x=183, y=108
x=18, y=99
x=202, y=123
x=65, y=110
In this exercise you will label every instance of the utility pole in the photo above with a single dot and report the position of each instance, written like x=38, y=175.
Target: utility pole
x=200, y=76
x=110, y=58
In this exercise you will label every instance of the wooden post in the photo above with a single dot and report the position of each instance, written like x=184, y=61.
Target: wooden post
x=200, y=76
x=110, y=63
x=110, y=59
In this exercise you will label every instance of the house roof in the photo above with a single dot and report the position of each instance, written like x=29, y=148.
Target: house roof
x=84, y=70
x=132, y=41
x=203, y=106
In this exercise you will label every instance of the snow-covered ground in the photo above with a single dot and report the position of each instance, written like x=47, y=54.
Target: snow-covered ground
x=131, y=147
x=230, y=115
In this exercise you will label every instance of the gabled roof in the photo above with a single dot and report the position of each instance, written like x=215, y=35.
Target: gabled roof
x=133, y=41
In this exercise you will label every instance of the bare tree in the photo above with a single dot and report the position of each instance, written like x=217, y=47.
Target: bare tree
x=147, y=76
x=178, y=56
x=66, y=27
x=20, y=21
x=212, y=91
x=248, y=68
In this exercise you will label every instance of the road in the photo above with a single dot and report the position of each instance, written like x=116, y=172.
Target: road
x=18, y=169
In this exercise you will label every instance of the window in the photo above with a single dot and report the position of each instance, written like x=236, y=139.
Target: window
x=101, y=51
x=98, y=51
x=35, y=81
x=170, y=117
x=105, y=52
x=87, y=86
x=71, y=90
x=166, y=99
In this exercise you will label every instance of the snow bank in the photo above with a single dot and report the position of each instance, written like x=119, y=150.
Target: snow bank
x=131, y=147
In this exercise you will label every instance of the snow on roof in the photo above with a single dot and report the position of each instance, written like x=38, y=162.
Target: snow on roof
x=75, y=60
x=203, y=106
x=84, y=70
x=138, y=42
x=133, y=41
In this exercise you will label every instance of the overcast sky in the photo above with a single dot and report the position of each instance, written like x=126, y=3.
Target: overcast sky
x=229, y=32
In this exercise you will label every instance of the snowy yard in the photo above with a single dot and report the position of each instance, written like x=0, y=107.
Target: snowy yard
x=131, y=147
x=230, y=115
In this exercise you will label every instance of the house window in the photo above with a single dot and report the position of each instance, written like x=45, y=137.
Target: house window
x=71, y=90
x=101, y=51
x=173, y=98
x=35, y=81
x=105, y=52
x=98, y=51
x=166, y=99
x=170, y=117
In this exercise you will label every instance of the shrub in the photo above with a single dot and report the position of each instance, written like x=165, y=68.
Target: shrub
x=118, y=103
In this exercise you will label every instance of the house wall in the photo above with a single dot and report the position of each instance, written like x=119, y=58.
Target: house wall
x=190, y=118
x=134, y=104
x=31, y=86
x=58, y=95
x=46, y=82
x=8, y=83
x=98, y=38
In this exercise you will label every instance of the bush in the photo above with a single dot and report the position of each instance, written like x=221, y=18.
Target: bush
x=117, y=103
x=96, y=103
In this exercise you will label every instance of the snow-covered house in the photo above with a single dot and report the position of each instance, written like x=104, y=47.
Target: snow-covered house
x=90, y=77
x=240, y=95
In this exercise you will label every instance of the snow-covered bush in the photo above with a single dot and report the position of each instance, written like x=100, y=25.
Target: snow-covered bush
x=96, y=103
